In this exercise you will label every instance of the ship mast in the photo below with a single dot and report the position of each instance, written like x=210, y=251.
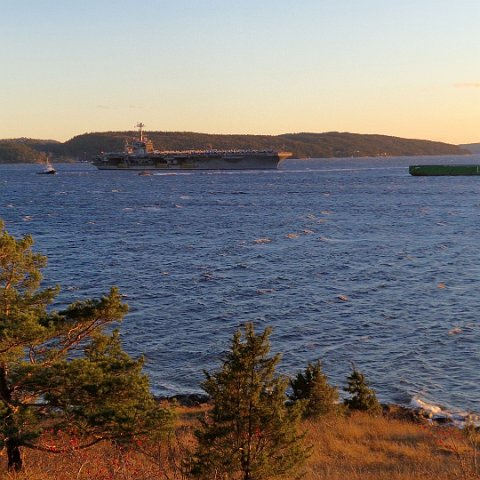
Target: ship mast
x=140, y=126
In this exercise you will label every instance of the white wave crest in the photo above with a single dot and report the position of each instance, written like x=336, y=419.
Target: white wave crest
x=435, y=412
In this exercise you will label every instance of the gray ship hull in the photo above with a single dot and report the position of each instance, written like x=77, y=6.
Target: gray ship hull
x=203, y=161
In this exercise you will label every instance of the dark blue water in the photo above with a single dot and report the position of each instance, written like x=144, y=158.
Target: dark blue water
x=348, y=260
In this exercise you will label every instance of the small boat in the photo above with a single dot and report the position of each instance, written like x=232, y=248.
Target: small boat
x=48, y=170
x=144, y=173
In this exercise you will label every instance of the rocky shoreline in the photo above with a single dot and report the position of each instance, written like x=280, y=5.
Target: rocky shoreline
x=410, y=414
x=186, y=399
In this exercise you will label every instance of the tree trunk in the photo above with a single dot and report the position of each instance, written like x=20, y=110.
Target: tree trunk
x=14, y=455
x=10, y=428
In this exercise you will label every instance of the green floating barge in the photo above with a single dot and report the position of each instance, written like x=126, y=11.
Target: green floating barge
x=436, y=170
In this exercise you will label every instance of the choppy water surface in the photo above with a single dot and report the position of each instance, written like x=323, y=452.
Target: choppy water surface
x=348, y=260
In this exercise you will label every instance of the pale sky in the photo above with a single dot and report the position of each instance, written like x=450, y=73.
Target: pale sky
x=408, y=68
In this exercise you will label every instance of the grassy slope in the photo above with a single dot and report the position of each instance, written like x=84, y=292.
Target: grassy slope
x=359, y=447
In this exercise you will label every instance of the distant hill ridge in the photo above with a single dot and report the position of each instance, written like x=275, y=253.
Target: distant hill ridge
x=302, y=145
x=472, y=147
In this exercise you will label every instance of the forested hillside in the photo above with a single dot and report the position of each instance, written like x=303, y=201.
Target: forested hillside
x=27, y=150
x=302, y=145
x=17, y=153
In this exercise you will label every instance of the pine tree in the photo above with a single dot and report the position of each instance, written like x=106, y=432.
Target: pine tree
x=250, y=433
x=312, y=388
x=362, y=396
x=60, y=368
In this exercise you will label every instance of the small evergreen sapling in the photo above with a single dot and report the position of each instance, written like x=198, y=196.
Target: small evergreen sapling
x=312, y=389
x=362, y=397
x=250, y=433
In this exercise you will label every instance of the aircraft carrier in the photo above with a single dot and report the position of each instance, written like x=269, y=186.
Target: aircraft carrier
x=139, y=154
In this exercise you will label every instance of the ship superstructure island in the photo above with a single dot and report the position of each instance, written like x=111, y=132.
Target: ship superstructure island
x=139, y=154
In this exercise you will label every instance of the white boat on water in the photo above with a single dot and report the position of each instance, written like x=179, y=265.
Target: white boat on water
x=48, y=169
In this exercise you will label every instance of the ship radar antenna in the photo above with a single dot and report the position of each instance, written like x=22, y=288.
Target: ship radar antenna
x=140, y=127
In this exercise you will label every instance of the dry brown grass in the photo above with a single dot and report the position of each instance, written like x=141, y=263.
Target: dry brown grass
x=370, y=448
x=359, y=447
